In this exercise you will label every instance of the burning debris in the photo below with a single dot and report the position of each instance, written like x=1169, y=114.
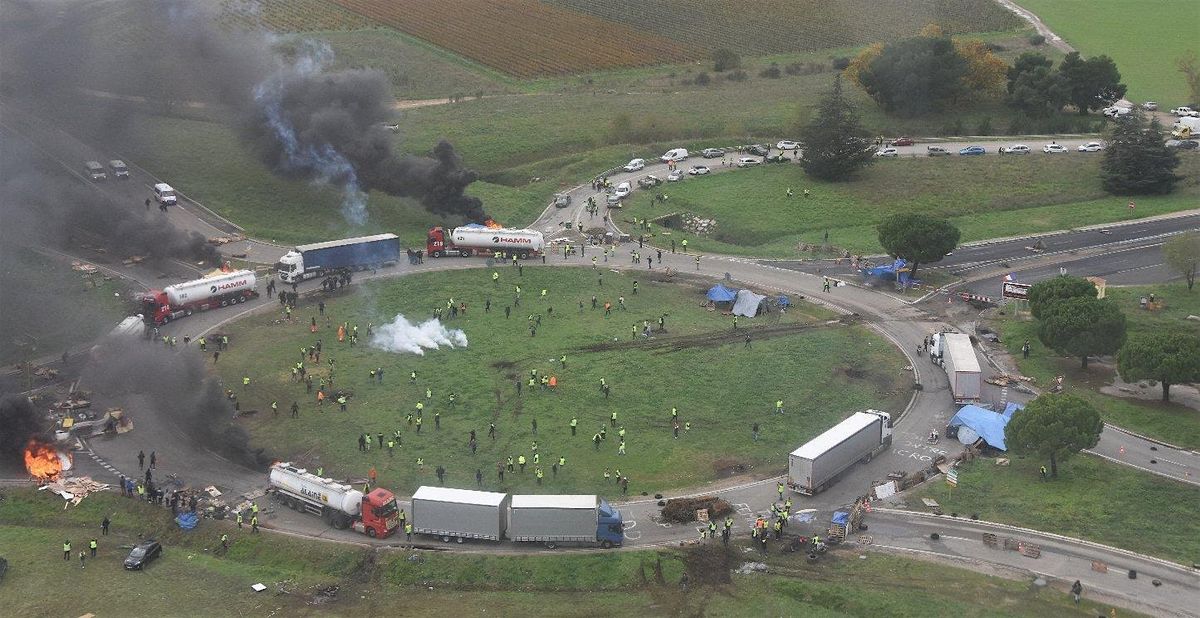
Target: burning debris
x=44, y=461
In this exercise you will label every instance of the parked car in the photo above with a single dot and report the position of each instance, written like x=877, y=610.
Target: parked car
x=902, y=141
x=94, y=170
x=1054, y=149
x=712, y=153
x=1016, y=149
x=1185, y=111
x=756, y=149
x=119, y=169
x=698, y=170
x=1182, y=144
x=647, y=182
x=787, y=144
x=972, y=150
x=675, y=176
x=887, y=152
x=613, y=201
x=748, y=161
x=778, y=158
x=562, y=200
x=142, y=554
x=1091, y=147
x=634, y=165
x=1150, y=106
x=1116, y=112
x=936, y=151
x=623, y=190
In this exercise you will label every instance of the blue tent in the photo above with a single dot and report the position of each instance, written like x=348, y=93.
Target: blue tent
x=982, y=422
x=721, y=294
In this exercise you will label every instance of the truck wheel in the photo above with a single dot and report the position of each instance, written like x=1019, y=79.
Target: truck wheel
x=224, y=303
x=188, y=312
x=551, y=545
x=606, y=544
x=436, y=254
x=166, y=318
x=445, y=539
x=371, y=532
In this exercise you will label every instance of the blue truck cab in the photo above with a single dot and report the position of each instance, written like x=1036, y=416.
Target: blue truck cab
x=610, y=528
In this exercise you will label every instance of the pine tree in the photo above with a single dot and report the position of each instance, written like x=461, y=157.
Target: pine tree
x=1136, y=162
x=835, y=144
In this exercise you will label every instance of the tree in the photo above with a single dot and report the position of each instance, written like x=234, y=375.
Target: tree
x=1189, y=65
x=854, y=69
x=1169, y=357
x=1094, y=83
x=1136, y=162
x=920, y=239
x=1054, y=427
x=1082, y=327
x=1043, y=293
x=916, y=76
x=835, y=144
x=986, y=72
x=1182, y=253
x=725, y=59
x=1034, y=87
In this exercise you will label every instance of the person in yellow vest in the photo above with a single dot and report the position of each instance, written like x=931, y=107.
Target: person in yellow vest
x=495, y=277
x=574, y=424
x=239, y=519
x=245, y=381
x=408, y=533
x=67, y=550
x=92, y=545
x=254, y=524
x=521, y=462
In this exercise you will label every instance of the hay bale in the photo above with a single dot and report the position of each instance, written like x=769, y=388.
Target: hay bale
x=683, y=510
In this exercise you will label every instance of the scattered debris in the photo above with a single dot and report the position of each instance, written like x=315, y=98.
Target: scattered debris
x=258, y=587
x=225, y=240
x=1005, y=379
x=84, y=267
x=74, y=489
x=683, y=510
x=212, y=491
x=133, y=259
x=751, y=567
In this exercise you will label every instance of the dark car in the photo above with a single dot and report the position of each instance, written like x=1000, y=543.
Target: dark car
x=902, y=141
x=757, y=150
x=777, y=159
x=712, y=153
x=1187, y=144
x=119, y=169
x=972, y=150
x=142, y=554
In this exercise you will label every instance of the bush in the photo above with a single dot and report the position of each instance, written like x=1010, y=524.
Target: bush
x=737, y=76
x=771, y=72
x=725, y=59
x=984, y=127
x=841, y=62
x=683, y=510
x=702, y=79
x=1037, y=40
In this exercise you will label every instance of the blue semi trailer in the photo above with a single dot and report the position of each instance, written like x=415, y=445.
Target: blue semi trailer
x=322, y=258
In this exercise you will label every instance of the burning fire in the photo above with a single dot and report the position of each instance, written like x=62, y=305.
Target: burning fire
x=491, y=223
x=44, y=462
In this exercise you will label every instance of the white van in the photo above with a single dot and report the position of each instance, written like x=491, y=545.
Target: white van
x=675, y=154
x=164, y=194
x=623, y=190
x=635, y=165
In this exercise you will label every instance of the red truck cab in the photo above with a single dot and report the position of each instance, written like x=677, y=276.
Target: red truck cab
x=380, y=515
x=155, y=307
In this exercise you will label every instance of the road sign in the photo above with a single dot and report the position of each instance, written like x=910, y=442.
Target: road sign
x=952, y=478
x=1018, y=291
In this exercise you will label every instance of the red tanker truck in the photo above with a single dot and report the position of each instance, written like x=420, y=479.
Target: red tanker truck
x=480, y=240
x=182, y=299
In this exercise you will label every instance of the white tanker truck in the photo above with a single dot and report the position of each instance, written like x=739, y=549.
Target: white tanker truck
x=182, y=299
x=479, y=240
x=341, y=506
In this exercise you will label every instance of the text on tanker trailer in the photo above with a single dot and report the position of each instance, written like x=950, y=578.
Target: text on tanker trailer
x=817, y=464
x=317, y=259
x=181, y=299
x=478, y=240
x=341, y=506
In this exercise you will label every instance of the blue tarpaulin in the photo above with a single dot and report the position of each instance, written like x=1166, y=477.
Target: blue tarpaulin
x=784, y=301
x=1011, y=408
x=987, y=424
x=721, y=294
x=187, y=521
x=888, y=271
x=841, y=518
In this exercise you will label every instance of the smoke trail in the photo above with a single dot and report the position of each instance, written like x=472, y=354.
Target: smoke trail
x=18, y=423
x=403, y=336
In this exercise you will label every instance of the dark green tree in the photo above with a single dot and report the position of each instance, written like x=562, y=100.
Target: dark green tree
x=1054, y=427
x=835, y=144
x=1052, y=290
x=916, y=76
x=1034, y=87
x=920, y=239
x=1082, y=327
x=1094, y=83
x=1182, y=254
x=725, y=59
x=1136, y=162
x=1169, y=357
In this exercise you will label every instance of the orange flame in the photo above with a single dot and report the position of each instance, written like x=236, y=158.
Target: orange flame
x=43, y=461
x=491, y=223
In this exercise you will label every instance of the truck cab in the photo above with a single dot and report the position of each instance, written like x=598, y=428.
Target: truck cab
x=437, y=244
x=610, y=528
x=156, y=307
x=290, y=267
x=380, y=516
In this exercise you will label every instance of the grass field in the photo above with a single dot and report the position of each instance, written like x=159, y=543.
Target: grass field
x=1171, y=422
x=1000, y=196
x=191, y=574
x=1091, y=499
x=700, y=366
x=80, y=313
x=1144, y=37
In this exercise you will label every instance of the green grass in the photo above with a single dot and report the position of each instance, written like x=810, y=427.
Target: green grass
x=989, y=198
x=1143, y=37
x=1171, y=422
x=81, y=312
x=191, y=574
x=720, y=387
x=1091, y=499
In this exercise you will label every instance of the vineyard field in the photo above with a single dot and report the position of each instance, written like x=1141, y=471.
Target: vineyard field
x=781, y=26
x=292, y=16
x=524, y=38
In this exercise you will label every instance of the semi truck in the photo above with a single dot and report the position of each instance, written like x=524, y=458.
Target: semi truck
x=956, y=355
x=817, y=464
x=318, y=259
x=374, y=514
x=470, y=240
x=1186, y=128
x=460, y=514
x=183, y=299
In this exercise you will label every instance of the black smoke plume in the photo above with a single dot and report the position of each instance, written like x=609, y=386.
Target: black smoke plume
x=18, y=423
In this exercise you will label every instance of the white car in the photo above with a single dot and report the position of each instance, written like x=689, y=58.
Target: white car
x=1091, y=147
x=1016, y=149
x=787, y=144
x=1185, y=111
x=1054, y=148
x=675, y=176
x=1150, y=106
x=887, y=152
x=698, y=170
x=635, y=165
x=748, y=161
x=623, y=190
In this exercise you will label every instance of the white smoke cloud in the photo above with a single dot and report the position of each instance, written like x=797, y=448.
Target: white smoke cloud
x=403, y=336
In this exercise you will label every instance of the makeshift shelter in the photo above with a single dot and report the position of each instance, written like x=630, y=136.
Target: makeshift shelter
x=784, y=301
x=749, y=304
x=720, y=294
x=975, y=423
x=890, y=271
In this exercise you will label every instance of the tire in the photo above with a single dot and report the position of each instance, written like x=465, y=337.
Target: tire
x=224, y=303
x=606, y=544
x=166, y=320
x=371, y=532
x=551, y=545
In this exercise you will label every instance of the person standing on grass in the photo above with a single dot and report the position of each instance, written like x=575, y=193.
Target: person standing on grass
x=1076, y=590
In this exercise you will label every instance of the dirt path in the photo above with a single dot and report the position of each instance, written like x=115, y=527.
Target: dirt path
x=1038, y=25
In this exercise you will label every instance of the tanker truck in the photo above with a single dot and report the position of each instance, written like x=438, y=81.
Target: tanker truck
x=318, y=259
x=341, y=506
x=183, y=299
x=479, y=240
